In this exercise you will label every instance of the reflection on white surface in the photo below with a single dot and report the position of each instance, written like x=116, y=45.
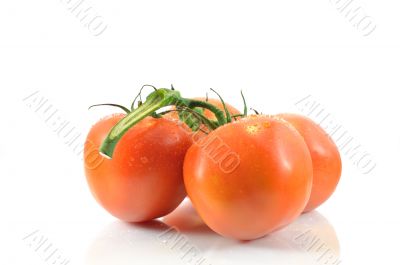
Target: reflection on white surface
x=182, y=238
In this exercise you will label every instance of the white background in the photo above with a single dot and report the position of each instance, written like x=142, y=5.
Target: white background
x=278, y=53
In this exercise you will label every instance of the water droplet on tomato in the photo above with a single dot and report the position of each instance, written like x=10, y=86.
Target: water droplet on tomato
x=144, y=160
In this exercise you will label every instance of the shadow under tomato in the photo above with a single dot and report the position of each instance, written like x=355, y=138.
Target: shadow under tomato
x=143, y=243
x=186, y=220
x=154, y=225
x=309, y=228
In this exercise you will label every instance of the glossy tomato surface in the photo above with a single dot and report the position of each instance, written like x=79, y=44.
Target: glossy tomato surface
x=249, y=178
x=144, y=178
x=327, y=165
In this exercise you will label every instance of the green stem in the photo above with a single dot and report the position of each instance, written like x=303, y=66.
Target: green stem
x=245, y=105
x=199, y=117
x=227, y=113
x=219, y=114
x=112, y=105
x=156, y=100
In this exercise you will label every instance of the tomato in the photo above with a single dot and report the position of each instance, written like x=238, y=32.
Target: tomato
x=144, y=178
x=249, y=177
x=327, y=165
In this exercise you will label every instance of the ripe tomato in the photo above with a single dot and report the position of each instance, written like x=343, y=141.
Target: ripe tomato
x=144, y=178
x=250, y=177
x=327, y=165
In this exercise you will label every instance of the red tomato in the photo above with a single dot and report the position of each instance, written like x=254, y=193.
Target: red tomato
x=327, y=165
x=144, y=178
x=250, y=177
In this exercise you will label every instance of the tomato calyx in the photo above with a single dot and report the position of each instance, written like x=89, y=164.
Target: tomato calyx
x=125, y=109
x=189, y=112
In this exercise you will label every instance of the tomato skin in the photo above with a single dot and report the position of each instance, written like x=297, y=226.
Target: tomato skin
x=266, y=190
x=327, y=165
x=144, y=178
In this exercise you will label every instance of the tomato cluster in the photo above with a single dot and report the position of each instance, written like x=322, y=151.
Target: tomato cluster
x=246, y=175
